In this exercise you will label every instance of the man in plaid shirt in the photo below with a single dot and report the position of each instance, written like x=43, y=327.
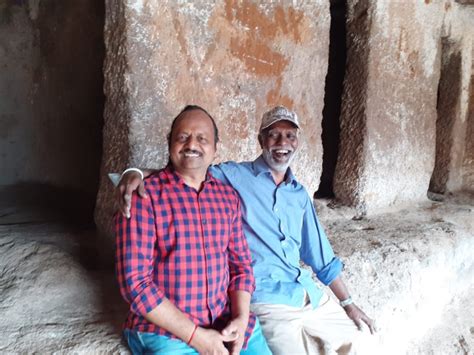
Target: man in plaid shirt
x=182, y=261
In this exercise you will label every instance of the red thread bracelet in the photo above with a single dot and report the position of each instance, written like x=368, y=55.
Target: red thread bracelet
x=192, y=334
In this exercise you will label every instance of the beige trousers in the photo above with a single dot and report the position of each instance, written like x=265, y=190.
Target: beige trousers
x=303, y=330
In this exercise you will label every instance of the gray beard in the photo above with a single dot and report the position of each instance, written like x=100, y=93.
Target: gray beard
x=280, y=167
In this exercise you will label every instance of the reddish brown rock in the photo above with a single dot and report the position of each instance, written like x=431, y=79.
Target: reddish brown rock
x=235, y=58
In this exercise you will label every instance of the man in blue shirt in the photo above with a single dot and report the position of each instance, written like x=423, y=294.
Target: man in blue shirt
x=282, y=229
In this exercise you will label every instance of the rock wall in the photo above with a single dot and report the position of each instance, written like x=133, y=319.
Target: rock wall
x=18, y=58
x=235, y=58
x=389, y=115
x=453, y=138
x=51, y=99
x=448, y=130
x=468, y=163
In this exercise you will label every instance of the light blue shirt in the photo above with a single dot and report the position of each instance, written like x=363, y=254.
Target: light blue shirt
x=282, y=228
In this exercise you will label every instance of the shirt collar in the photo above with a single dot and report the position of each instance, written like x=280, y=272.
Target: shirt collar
x=260, y=166
x=174, y=177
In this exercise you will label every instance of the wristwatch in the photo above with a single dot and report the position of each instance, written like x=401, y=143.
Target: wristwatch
x=346, y=302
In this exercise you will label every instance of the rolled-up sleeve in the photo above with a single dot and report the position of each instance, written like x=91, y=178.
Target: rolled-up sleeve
x=134, y=259
x=240, y=261
x=316, y=251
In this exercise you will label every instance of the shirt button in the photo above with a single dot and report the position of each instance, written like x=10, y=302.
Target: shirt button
x=204, y=221
x=276, y=209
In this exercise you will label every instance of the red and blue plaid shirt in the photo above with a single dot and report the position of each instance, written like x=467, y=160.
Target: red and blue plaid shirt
x=184, y=245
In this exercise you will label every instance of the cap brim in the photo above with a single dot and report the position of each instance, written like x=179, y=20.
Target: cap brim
x=278, y=120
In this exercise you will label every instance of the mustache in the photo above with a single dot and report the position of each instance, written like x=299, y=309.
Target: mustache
x=190, y=151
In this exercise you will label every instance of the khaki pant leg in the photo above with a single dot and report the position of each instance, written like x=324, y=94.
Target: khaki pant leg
x=326, y=330
x=282, y=327
x=330, y=326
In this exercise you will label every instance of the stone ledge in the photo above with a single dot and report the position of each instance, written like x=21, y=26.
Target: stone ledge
x=411, y=271
x=465, y=2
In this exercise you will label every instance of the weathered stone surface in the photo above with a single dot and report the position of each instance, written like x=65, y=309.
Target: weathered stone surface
x=412, y=271
x=453, y=136
x=116, y=144
x=235, y=58
x=388, y=120
x=468, y=163
x=50, y=302
x=465, y=2
x=56, y=297
x=51, y=99
x=449, y=132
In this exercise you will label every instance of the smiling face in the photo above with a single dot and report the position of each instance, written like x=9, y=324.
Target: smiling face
x=279, y=143
x=192, y=143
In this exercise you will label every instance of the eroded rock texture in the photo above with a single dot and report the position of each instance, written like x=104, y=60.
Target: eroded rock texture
x=50, y=302
x=468, y=163
x=448, y=133
x=389, y=110
x=235, y=58
x=56, y=297
x=412, y=272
